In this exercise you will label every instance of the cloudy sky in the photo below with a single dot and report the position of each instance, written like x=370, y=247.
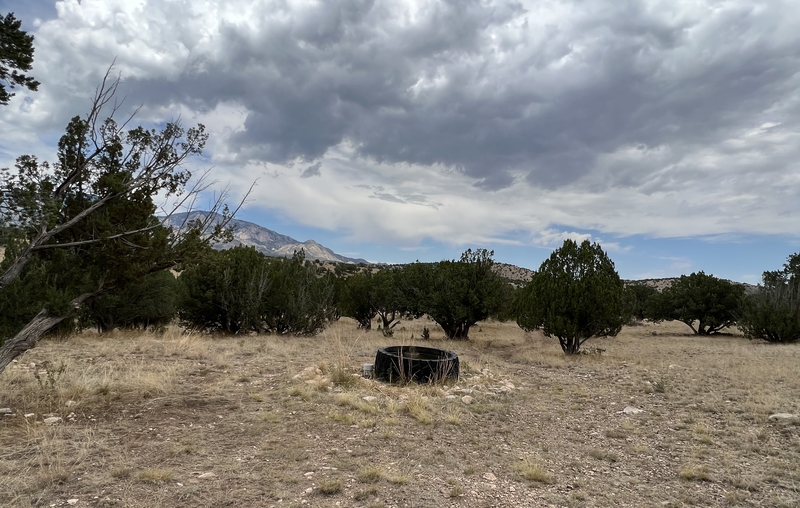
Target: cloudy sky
x=668, y=131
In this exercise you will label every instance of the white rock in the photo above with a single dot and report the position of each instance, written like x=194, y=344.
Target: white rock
x=489, y=477
x=28, y=415
x=52, y=420
x=370, y=398
x=72, y=502
x=207, y=475
x=5, y=410
x=630, y=410
x=784, y=418
x=466, y=399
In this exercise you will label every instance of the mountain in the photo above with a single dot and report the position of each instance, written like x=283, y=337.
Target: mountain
x=265, y=240
x=661, y=284
x=516, y=275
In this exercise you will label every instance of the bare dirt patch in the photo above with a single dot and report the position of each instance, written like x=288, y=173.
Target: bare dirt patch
x=660, y=418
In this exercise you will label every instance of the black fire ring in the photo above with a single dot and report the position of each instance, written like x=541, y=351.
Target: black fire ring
x=415, y=363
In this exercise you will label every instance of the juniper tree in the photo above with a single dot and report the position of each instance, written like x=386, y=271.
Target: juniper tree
x=773, y=314
x=455, y=294
x=575, y=295
x=710, y=302
x=86, y=224
x=16, y=54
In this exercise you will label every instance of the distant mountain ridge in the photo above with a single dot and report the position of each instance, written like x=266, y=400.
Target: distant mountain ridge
x=661, y=284
x=275, y=244
x=265, y=240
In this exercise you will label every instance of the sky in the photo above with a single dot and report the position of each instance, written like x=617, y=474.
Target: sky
x=667, y=131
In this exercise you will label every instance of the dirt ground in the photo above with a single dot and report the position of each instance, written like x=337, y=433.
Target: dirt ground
x=658, y=418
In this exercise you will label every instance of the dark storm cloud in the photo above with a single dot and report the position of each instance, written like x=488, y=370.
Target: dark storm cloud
x=482, y=88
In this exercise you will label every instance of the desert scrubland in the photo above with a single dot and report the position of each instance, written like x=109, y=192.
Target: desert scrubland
x=658, y=418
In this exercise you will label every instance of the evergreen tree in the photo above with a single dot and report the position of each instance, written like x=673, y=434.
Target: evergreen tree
x=712, y=303
x=455, y=294
x=16, y=54
x=226, y=291
x=300, y=299
x=85, y=226
x=636, y=299
x=575, y=295
x=773, y=314
x=150, y=303
x=355, y=299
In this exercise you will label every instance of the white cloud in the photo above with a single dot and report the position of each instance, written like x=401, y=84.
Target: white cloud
x=490, y=122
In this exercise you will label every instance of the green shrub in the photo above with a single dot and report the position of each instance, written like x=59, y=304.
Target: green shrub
x=636, y=298
x=575, y=295
x=711, y=302
x=773, y=314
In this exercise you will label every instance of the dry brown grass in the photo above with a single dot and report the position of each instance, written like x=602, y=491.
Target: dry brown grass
x=194, y=420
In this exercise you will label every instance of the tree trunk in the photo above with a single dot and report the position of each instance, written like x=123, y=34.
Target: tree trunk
x=28, y=337
x=459, y=331
x=388, y=319
x=570, y=345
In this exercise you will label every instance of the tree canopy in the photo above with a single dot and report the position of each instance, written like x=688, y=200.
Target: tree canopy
x=576, y=294
x=773, y=314
x=636, y=299
x=86, y=225
x=354, y=299
x=16, y=54
x=241, y=290
x=455, y=294
x=710, y=302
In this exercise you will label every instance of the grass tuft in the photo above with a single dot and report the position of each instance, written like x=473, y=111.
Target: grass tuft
x=155, y=475
x=695, y=472
x=370, y=474
x=533, y=471
x=330, y=487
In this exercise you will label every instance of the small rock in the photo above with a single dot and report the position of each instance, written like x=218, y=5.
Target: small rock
x=309, y=474
x=466, y=399
x=207, y=475
x=70, y=403
x=370, y=398
x=784, y=418
x=29, y=415
x=450, y=397
x=309, y=490
x=72, y=502
x=5, y=410
x=630, y=410
x=489, y=477
x=52, y=420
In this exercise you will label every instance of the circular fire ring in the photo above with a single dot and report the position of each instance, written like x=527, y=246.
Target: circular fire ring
x=415, y=363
